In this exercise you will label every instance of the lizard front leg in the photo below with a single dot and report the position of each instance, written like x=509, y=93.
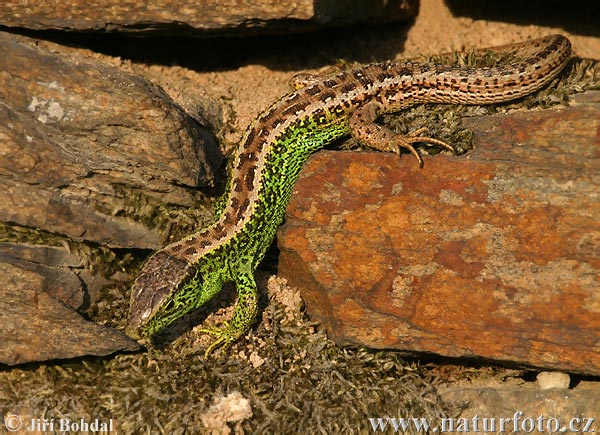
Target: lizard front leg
x=367, y=131
x=244, y=316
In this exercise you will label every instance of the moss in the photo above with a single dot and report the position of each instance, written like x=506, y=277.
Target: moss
x=297, y=381
x=171, y=221
x=20, y=234
x=100, y=260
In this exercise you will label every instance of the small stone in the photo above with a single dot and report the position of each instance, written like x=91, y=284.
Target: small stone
x=548, y=380
x=234, y=408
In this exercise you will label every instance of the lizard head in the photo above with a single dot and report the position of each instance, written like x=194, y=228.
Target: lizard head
x=165, y=290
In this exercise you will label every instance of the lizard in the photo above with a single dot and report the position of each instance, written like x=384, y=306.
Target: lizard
x=184, y=275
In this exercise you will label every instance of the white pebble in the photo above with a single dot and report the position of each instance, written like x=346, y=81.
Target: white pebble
x=548, y=380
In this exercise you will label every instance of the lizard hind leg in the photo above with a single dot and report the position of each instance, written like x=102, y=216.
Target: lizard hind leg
x=244, y=316
x=364, y=128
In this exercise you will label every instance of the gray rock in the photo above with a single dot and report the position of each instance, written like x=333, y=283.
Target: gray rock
x=89, y=151
x=37, y=326
x=211, y=17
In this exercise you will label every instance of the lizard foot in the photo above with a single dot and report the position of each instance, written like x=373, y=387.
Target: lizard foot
x=224, y=337
x=407, y=141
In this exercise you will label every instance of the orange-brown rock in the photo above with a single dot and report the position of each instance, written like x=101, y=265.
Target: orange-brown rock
x=493, y=255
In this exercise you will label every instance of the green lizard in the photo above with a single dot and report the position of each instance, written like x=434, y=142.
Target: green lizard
x=184, y=275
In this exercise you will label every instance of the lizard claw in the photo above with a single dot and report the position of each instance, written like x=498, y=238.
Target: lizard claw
x=407, y=141
x=224, y=337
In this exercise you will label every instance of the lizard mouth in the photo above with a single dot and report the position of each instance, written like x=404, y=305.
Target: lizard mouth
x=133, y=331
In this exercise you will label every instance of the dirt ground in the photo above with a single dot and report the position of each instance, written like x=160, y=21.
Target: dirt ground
x=436, y=29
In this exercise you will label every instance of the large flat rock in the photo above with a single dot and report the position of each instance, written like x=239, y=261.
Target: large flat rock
x=493, y=255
